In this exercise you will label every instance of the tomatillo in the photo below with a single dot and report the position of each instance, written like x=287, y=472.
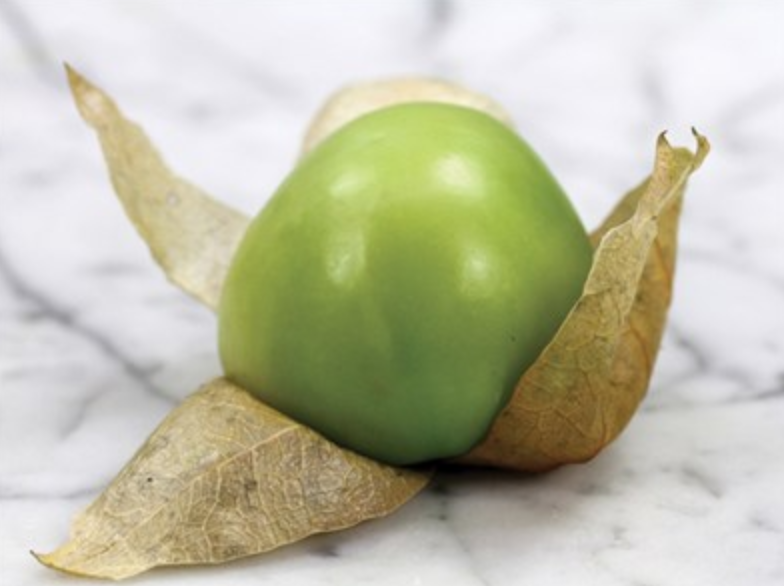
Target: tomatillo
x=401, y=280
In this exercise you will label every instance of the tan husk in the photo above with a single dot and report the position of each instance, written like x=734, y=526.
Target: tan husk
x=587, y=383
x=356, y=100
x=223, y=477
x=191, y=235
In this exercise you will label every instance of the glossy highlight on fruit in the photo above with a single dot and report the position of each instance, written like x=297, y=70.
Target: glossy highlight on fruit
x=401, y=279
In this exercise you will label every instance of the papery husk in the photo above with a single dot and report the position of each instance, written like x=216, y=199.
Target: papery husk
x=191, y=235
x=588, y=382
x=359, y=99
x=223, y=477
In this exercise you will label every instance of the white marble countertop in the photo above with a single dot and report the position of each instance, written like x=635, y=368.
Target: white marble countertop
x=96, y=347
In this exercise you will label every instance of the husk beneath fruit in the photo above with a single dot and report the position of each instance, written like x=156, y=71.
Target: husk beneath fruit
x=224, y=477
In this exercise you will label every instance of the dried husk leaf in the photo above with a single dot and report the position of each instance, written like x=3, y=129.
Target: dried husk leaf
x=357, y=100
x=191, y=235
x=223, y=477
x=230, y=477
x=588, y=382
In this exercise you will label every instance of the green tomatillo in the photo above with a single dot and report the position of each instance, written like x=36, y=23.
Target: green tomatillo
x=401, y=279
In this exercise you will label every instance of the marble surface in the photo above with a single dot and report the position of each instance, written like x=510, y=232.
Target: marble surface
x=96, y=347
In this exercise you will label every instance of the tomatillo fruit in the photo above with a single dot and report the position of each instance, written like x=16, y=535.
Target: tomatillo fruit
x=401, y=280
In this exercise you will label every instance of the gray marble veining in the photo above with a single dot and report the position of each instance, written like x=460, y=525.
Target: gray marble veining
x=95, y=346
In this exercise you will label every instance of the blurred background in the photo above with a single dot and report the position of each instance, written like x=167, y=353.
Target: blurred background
x=95, y=346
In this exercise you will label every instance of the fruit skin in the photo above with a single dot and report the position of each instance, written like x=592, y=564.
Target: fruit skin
x=400, y=281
